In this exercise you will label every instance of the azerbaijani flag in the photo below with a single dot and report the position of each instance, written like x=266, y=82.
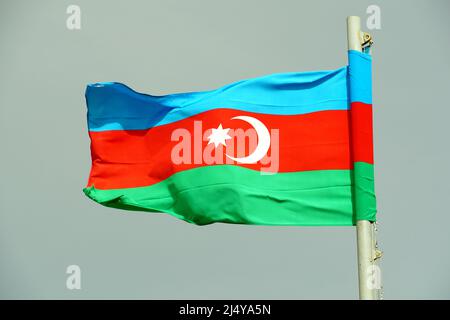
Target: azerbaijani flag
x=283, y=149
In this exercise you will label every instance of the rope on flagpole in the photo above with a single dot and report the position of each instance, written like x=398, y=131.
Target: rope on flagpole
x=366, y=46
x=376, y=259
x=367, y=42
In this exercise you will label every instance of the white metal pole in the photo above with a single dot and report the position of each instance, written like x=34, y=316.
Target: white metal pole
x=365, y=260
x=364, y=228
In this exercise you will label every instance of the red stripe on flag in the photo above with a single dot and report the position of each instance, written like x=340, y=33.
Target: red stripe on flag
x=314, y=141
x=361, y=132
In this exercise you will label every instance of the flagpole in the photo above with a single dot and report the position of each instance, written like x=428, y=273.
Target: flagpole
x=365, y=232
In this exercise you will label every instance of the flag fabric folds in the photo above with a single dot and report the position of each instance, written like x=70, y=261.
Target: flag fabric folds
x=283, y=149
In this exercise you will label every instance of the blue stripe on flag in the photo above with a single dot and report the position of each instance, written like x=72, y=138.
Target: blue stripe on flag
x=114, y=106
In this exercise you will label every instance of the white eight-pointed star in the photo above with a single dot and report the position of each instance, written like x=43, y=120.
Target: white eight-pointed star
x=218, y=136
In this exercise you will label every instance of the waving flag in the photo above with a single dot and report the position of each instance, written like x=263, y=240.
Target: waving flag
x=283, y=149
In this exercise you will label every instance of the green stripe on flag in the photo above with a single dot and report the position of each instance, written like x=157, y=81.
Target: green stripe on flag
x=233, y=194
x=364, y=191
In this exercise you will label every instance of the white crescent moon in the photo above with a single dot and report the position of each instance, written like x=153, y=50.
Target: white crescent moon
x=263, y=141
